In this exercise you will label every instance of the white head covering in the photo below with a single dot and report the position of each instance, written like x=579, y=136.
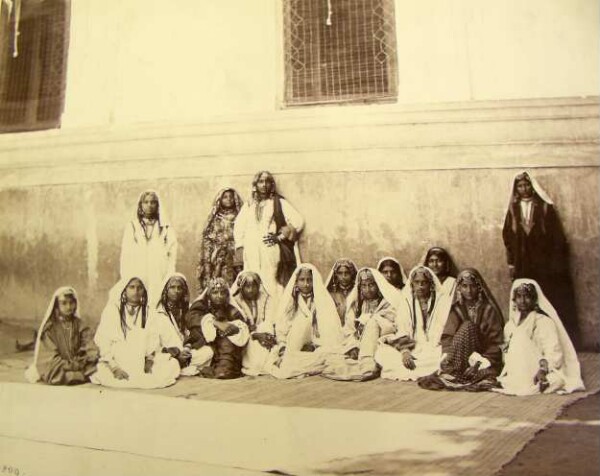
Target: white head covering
x=162, y=221
x=31, y=374
x=441, y=307
x=240, y=303
x=328, y=319
x=166, y=281
x=392, y=295
x=535, y=184
x=110, y=328
x=336, y=265
x=391, y=258
x=572, y=370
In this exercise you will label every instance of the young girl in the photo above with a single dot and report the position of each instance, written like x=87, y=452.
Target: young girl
x=149, y=248
x=307, y=326
x=130, y=353
x=64, y=352
x=471, y=338
x=215, y=323
x=439, y=261
x=415, y=350
x=217, y=250
x=536, y=247
x=371, y=314
x=170, y=323
x=252, y=300
x=393, y=272
x=538, y=355
x=340, y=282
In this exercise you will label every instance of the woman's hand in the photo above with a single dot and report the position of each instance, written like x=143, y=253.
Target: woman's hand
x=271, y=239
x=408, y=360
x=120, y=374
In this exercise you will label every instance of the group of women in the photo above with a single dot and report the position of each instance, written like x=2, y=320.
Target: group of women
x=261, y=311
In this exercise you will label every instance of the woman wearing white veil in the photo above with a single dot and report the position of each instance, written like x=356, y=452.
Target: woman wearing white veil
x=538, y=355
x=372, y=313
x=149, y=246
x=130, y=352
x=64, y=353
x=307, y=325
x=340, y=282
x=415, y=349
x=251, y=298
x=536, y=247
x=392, y=271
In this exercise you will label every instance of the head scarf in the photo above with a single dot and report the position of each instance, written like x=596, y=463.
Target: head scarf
x=163, y=296
x=161, y=218
x=216, y=210
x=262, y=300
x=451, y=269
x=484, y=291
x=332, y=283
x=328, y=320
x=386, y=290
x=383, y=260
x=440, y=305
x=514, y=196
x=572, y=370
x=31, y=374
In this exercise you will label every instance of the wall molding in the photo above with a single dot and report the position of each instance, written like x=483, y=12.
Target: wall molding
x=559, y=132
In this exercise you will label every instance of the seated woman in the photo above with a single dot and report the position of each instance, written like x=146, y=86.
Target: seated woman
x=415, y=350
x=371, y=315
x=439, y=261
x=340, y=283
x=392, y=271
x=471, y=338
x=64, y=351
x=308, y=328
x=216, y=323
x=130, y=353
x=538, y=355
x=169, y=322
x=253, y=301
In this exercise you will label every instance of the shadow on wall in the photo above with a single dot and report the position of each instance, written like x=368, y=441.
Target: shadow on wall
x=71, y=234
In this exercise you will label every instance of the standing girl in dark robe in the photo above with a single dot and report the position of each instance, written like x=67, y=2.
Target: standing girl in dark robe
x=218, y=247
x=64, y=350
x=536, y=247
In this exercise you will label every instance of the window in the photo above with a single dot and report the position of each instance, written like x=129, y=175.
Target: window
x=32, y=83
x=339, y=51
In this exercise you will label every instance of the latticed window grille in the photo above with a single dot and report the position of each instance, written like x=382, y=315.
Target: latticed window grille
x=33, y=69
x=339, y=51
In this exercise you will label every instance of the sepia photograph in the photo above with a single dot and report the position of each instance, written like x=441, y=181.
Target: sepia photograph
x=300, y=237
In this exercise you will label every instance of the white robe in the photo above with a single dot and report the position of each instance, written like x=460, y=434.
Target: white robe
x=151, y=259
x=129, y=351
x=538, y=336
x=409, y=323
x=249, y=233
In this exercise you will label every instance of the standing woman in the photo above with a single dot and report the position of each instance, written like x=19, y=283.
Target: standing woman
x=149, y=248
x=536, y=247
x=266, y=233
x=217, y=250
x=439, y=261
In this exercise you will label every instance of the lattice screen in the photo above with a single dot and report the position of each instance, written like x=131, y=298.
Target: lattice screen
x=32, y=85
x=351, y=57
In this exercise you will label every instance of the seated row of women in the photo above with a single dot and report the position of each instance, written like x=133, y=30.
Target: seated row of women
x=357, y=325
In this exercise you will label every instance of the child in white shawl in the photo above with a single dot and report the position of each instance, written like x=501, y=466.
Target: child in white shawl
x=538, y=355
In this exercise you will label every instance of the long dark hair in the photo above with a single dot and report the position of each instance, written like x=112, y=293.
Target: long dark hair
x=184, y=302
x=363, y=275
x=143, y=304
